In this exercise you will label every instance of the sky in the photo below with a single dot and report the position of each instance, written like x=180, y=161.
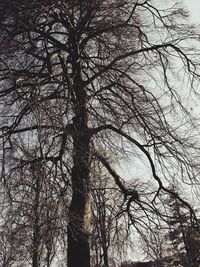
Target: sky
x=194, y=8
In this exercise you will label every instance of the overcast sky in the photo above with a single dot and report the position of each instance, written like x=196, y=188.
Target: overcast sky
x=194, y=7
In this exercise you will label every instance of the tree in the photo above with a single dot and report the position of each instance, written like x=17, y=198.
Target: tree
x=154, y=245
x=100, y=76
x=8, y=250
x=184, y=236
x=111, y=236
x=172, y=239
x=32, y=209
x=12, y=241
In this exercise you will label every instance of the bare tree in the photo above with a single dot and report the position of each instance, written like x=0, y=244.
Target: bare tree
x=106, y=77
x=111, y=237
x=155, y=244
x=183, y=235
x=33, y=207
x=7, y=248
x=172, y=239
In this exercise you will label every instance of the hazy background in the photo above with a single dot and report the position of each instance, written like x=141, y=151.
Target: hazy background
x=194, y=7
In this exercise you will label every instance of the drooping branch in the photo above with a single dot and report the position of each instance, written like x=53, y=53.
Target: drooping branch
x=118, y=179
x=152, y=165
x=130, y=195
x=133, y=141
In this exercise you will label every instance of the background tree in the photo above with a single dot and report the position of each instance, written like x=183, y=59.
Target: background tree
x=103, y=76
x=111, y=235
x=155, y=245
x=183, y=235
x=32, y=208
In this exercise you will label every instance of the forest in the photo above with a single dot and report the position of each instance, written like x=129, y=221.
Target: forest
x=99, y=134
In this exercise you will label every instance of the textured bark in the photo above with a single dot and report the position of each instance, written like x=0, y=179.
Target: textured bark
x=80, y=208
x=79, y=223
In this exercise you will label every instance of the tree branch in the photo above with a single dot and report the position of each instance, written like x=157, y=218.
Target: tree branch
x=140, y=51
x=147, y=154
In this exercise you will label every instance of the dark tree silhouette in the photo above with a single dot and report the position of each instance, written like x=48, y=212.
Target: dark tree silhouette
x=184, y=236
x=96, y=78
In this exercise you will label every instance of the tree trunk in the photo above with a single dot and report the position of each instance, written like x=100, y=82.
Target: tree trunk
x=79, y=225
x=105, y=257
x=36, y=227
x=105, y=241
x=80, y=211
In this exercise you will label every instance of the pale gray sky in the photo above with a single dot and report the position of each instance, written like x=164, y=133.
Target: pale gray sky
x=194, y=7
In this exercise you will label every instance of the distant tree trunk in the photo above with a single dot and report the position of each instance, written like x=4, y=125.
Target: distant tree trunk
x=105, y=257
x=79, y=225
x=36, y=227
x=48, y=258
x=105, y=240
